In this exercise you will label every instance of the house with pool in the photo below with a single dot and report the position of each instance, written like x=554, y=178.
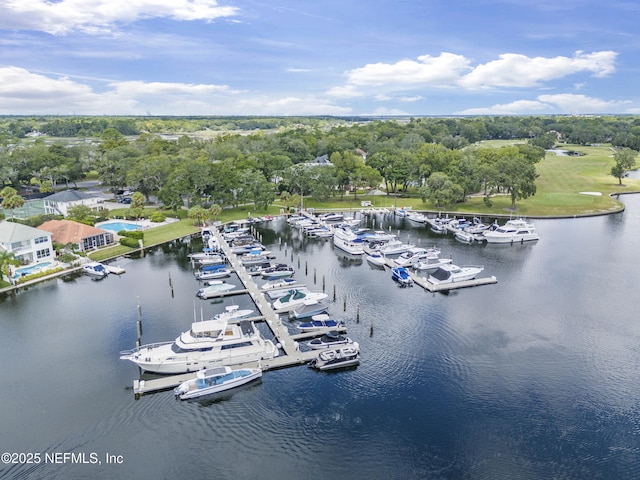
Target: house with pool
x=82, y=237
x=29, y=245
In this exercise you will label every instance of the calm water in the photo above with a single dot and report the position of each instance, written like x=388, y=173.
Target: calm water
x=534, y=377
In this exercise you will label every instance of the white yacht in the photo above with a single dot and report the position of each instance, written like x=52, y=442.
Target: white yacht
x=453, y=273
x=297, y=298
x=348, y=240
x=395, y=247
x=514, y=231
x=209, y=343
x=415, y=255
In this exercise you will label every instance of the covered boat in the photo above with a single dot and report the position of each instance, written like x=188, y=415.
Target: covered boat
x=319, y=322
x=214, y=287
x=401, y=275
x=95, y=269
x=453, y=273
x=330, y=339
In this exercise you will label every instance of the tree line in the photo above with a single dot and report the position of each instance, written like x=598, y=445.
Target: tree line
x=438, y=158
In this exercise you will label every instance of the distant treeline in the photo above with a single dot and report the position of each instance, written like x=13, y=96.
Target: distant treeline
x=623, y=131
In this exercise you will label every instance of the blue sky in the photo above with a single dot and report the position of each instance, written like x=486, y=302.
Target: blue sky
x=322, y=57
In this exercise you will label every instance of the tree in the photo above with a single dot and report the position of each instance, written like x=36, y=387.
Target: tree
x=516, y=174
x=625, y=160
x=441, y=190
x=197, y=214
x=80, y=213
x=214, y=211
x=137, y=204
x=10, y=198
x=6, y=260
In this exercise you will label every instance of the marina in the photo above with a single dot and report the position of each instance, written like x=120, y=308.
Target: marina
x=466, y=383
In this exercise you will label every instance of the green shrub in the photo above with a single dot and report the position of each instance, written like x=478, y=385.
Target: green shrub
x=157, y=217
x=137, y=234
x=129, y=242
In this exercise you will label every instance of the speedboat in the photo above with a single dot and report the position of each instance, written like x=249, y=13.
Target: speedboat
x=328, y=340
x=278, y=284
x=416, y=217
x=415, y=255
x=279, y=270
x=213, y=288
x=233, y=312
x=214, y=380
x=206, y=254
x=346, y=356
x=377, y=259
x=95, y=269
x=296, y=298
x=395, y=247
x=209, y=343
x=401, y=275
x=432, y=262
x=254, y=257
x=310, y=309
x=453, y=273
x=513, y=231
x=332, y=217
x=211, y=272
x=319, y=322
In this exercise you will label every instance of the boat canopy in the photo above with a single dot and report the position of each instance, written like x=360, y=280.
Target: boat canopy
x=209, y=328
x=441, y=274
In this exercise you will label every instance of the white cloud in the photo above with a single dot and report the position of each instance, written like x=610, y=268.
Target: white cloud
x=449, y=70
x=560, y=103
x=571, y=103
x=98, y=16
x=513, y=108
x=519, y=71
x=348, y=91
x=445, y=69
x=32, y=94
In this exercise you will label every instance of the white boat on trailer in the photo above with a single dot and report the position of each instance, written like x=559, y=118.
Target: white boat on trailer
x=215, y=380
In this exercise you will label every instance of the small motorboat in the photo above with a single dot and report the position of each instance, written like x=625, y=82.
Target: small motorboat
x=297, y=298
x=401, y=275
x=95, y=269
x=346, y=356
x=319, y=322
x=310, y=309
x=214, y=288
x=277, y=284
x=214, y=380
x=377, y=259
x=279, y=270
x=328, y=340
x=211, y=272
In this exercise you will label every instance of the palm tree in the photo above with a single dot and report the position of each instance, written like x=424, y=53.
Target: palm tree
x=6, y=259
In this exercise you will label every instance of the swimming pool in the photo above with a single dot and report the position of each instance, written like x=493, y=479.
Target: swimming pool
x=30, y=269
x=117, y=226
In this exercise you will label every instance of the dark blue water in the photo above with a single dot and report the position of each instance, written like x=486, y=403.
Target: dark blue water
x=533, y=377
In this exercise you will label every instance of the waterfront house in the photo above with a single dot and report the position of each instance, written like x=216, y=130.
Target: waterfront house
x=82, y=237
x=28, y=244
x=59, y=203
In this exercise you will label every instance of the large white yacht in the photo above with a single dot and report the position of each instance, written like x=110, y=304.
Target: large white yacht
x=513, y=231
x=348, y=240
x=209, y=343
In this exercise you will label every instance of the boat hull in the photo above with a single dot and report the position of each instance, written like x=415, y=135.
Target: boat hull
x=200, y=387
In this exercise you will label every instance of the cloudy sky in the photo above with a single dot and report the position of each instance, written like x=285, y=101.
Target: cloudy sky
x=319, y=57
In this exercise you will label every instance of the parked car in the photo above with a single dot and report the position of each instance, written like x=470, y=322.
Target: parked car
x=125, y=200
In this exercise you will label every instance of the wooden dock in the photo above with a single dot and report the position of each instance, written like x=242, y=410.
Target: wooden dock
x=288, y=344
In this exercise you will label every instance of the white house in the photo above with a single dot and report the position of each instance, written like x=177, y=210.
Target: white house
x=59, y=203
x=28, y=244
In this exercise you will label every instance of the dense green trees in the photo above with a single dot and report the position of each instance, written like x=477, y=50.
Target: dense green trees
x=435, y=156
